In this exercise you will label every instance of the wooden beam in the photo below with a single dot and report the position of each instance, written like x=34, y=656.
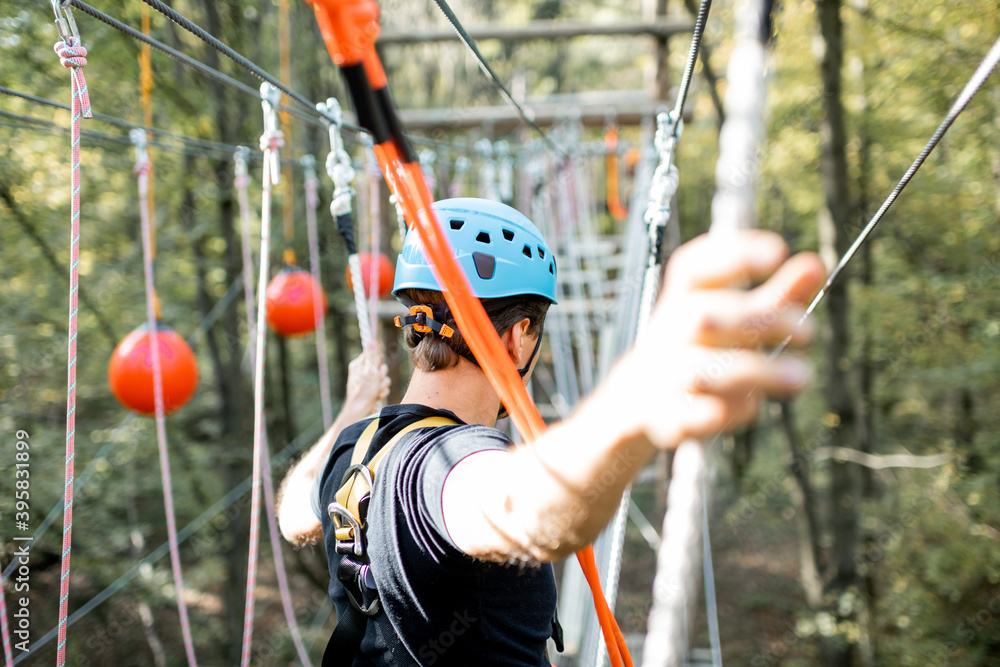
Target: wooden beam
x=505, y=118
x=536, y=30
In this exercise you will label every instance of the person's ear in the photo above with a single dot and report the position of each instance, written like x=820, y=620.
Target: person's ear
x=514, y=340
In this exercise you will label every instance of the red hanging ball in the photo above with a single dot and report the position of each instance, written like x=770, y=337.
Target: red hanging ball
x=386, y=274
x=289, y=298
x=130, y=372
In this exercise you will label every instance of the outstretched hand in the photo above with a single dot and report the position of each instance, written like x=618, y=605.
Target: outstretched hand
x=367, y=383
x=699, y=369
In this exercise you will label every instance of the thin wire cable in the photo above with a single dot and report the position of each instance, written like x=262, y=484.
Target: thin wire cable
x=305, y=438
x=313, y=116
x=712, y=608
x=979, y=77
x=227, y=149
x=699, y=31
x=74, y=57
x=230, y=53
x=142, y=168
x=484, y=65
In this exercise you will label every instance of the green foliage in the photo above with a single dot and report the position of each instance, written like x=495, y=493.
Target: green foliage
x=930, y=317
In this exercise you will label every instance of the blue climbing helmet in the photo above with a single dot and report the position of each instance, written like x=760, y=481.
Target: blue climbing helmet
x=501, y=252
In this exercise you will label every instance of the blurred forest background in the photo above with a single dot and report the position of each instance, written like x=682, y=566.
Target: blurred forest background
x=822, y=556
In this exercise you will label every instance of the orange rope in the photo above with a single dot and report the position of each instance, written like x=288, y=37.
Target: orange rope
x=285, y=119
x=146, y=96
x=618, y=212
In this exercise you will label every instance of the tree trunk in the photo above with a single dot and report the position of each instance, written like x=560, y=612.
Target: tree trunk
x=804, y=498
x=866, y=400
x=233, y=412
x=844, y=486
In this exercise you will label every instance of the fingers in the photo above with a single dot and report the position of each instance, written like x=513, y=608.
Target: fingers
x=766, y=315
x=739, y=260
x=734, y=374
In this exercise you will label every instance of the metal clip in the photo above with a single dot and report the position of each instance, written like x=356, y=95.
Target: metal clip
x=64, y=22
x=270, y=99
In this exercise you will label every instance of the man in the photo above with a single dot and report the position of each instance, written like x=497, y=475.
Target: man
x=461, y=525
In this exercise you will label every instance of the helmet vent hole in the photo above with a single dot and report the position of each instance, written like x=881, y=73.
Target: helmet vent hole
x=508, y=235
x=551, y=269
x=526, y=251
x=457, y=224
x=541, y=253
x=483, y=237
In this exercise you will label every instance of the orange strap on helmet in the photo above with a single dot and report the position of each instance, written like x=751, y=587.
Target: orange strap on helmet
x=350, y=28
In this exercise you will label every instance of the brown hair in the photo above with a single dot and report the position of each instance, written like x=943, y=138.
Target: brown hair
x=431, y=352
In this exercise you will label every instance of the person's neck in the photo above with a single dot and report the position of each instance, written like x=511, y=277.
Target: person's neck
x=462, y=389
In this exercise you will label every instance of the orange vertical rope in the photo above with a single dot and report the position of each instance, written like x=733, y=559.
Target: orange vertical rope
x=615, y=207
x=146, y=96
x=285, y=118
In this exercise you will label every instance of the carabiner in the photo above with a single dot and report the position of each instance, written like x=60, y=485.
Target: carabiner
x=64, y=22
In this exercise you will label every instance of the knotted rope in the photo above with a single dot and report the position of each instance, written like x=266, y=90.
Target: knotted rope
x=73, y=56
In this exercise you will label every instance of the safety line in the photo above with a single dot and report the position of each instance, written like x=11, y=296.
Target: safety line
x=185, y=59
x=242, y=182
x=218, y=506
x=733, y=208
x=230, y=53
x=142, y=168
x=73, y=56
x=711, y=605
x=979, y=77
x=484, y=65
x=270, y=143
x=699, y=31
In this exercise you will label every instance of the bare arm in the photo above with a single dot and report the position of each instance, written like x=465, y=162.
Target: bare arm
x=367, y=383
x=696, y=371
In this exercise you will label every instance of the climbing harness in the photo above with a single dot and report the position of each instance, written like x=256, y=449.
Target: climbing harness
x=73, y=56
x=349, y=514
x=142, y=167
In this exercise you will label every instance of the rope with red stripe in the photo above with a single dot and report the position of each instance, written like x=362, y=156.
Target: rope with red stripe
x=73, y=56
x=242, y=183
x=142, y=169
x=270, y=142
